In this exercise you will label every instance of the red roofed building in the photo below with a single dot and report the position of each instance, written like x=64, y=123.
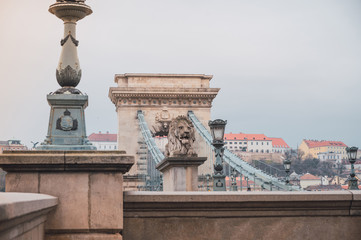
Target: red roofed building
x=12, y=145
x=257, y=143
x=279, y=145
x=104, y=141
x=309, y=180
x=315, y=148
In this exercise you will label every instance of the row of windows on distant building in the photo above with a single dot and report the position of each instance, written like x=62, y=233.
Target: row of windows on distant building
x=256, y=143
x=245, y=143
x=106, y=147
x=244, y=149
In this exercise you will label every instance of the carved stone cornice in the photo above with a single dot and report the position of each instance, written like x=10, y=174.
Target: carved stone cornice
x=170, y=94
x=162, y=96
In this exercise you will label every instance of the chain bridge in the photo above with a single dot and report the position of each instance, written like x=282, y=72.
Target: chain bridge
x=146, y=104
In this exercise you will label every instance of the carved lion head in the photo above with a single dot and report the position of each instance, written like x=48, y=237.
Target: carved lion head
x=180, y=137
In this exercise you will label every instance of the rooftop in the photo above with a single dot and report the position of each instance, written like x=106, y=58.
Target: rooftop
x=309, y=176
x=103, y=137
x=277, y=142
x=245, y=136
x=323, y=143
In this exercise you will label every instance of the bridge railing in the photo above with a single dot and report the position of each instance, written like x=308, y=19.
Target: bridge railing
x=268, y=168
x=261, y=178
x=157, y=155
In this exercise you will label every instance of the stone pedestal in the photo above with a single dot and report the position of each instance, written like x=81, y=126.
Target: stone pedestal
x=88, y=185
x=180, y=173
x=66, y=129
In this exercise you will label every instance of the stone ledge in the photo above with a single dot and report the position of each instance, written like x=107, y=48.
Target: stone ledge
x=57, y=161
x=13, y=205
x=230, y=204
x=180, y=162
x=83, y=236
x=22, y=215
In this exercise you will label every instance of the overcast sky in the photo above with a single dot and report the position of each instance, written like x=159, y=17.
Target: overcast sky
x=289, y=69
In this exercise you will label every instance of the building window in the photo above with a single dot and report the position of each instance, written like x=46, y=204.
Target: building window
x=257, y=150
x=230, y=142
x=262, y=151
x=267, y=143
x=267, y=151
x=256, y=143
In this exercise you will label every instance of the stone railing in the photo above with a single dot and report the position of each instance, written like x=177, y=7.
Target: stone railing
x=251, y=215
x=22, y=215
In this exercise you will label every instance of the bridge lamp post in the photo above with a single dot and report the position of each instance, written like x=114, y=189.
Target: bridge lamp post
x=217, y=130
x=352, y=154
x=241, y=176
x=234, y=180
x=248, y=188
x=287, y=166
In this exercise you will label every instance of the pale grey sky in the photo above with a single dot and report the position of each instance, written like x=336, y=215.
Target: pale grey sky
x=289, y=69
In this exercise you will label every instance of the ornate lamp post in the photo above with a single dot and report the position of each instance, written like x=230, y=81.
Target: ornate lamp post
x=217, y=130
x=66, y=129
x=352, y=154
x=287, y=166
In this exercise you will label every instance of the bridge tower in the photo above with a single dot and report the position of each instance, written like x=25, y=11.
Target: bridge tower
x=161, y=97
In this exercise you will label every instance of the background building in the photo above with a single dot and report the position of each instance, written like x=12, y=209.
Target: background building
x=309, y=180
x=314, y=147
x=104, y=141
x=279, y=145
x=12, y=145
x=329, y=156
x=254, y=143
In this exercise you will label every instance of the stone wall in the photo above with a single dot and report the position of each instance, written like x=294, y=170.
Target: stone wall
x=23, y=215
x=256, y=215
x=88, y=185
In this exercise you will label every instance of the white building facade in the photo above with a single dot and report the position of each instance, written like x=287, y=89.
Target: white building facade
x=254, y=143
x=104, y=141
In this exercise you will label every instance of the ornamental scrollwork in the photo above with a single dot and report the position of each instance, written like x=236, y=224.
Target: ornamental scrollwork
x=68, y=77
x=63, y=41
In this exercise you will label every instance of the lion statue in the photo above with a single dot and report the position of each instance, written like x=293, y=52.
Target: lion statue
x=180, y=138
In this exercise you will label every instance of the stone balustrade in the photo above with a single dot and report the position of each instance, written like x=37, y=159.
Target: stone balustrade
x=234, y=215
x=23, y=215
